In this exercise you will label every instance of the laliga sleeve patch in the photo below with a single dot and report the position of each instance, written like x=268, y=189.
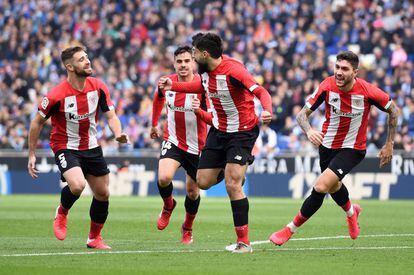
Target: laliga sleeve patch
x=45, y=103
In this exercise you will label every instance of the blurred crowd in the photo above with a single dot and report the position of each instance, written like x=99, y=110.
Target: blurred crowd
x=289, y=46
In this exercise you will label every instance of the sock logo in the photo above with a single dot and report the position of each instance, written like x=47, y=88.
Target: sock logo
x=340, y=171
x=62, y=160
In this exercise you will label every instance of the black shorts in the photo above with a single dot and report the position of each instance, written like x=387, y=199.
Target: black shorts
x=340, y=161
x=222, y=148
x=90, y=161
x=188, y=161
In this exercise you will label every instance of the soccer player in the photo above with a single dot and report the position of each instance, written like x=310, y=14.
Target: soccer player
x=185, y=133
x=73, y=107
x=342, y=142
x=230, y=88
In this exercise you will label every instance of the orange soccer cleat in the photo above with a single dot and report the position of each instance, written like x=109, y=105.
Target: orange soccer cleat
x=60, y=225
x=97, y=243
x=164, y=217
x=282, y=236
x=186, y=235
x=353, y=226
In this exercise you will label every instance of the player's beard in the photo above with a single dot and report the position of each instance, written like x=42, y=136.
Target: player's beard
x=202, y=67
x=82, y=73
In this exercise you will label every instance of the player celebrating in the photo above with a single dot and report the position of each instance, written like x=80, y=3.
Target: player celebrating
x=184, y=137
x=342, y=142
x=73, y=107
x=230, y=89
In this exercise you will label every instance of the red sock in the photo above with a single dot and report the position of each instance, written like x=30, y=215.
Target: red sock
x=95, y=230
x=242, y=233
x=347, y=206
x=62, y=210
x=168, y=202
x=299, y=219
x=188, y=222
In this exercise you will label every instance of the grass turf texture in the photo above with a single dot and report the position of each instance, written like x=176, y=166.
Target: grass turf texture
x=138, y=247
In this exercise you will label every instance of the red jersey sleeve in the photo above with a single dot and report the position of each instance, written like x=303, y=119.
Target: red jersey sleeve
x=318, y=96
x=105, y=102
x=378, y=97
x=240, y=74
x=49, y=105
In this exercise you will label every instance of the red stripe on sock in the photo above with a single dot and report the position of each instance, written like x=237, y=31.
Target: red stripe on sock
x=62, y=210
x=95, y=230
x=299, y=219
x=168, y=202
x=242, y=233
x=347, y=206
x=188, y=222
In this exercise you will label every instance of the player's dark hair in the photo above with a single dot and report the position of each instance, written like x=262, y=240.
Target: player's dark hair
x=209, y=42
x=349, y=56
x=182, y=49
x=69, y=52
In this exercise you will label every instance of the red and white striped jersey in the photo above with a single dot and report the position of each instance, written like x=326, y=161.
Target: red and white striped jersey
x=229, y=89
x=74, y=114
x=182, y=127
x=346, y=113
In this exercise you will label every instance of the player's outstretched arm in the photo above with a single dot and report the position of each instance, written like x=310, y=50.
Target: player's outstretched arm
x=116, y=128
x=386, y=151
x=193, y=87
x=36, y=127
x=313, y=135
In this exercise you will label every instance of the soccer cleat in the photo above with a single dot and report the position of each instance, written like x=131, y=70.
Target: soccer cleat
x=353, y=226
x=164, y=217
x=60, y=225
x=282, y=236
x=186, y=235
x=241, y=247
x=97, y=243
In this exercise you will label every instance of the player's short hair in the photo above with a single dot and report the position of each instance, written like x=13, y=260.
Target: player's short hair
x=209, y=42
x=349, y=56
x=182, y=49
x=69, y=52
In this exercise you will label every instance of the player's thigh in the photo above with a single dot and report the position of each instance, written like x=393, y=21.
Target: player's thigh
x=93, y=162
x=326, y=181
x=99, y=186
x=207, y=177
x=69, y=165
x=345, y=160
x=75, y=179
x=167, y=167
x=240, y=145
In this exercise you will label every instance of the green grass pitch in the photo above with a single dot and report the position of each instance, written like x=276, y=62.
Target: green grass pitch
x=27, y=244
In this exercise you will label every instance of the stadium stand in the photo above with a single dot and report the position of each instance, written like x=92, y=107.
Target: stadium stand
x=288, y=45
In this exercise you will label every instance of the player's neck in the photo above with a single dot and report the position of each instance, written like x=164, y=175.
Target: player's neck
x=349, y=87
x=77, y=83
x=187, y=78
x=214, y=63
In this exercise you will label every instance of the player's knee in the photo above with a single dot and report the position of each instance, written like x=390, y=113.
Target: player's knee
x=233, y=187
x=164, y=180
x=193, y=193
x=102, y=195
x=76, y=186
x=322, y=187
x=203, y=183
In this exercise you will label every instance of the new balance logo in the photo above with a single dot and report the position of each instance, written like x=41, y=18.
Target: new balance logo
x=340, y=171
x=238, y=157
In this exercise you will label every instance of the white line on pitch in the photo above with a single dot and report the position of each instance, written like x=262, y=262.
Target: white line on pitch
x=205, y=250
x=337, y=237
